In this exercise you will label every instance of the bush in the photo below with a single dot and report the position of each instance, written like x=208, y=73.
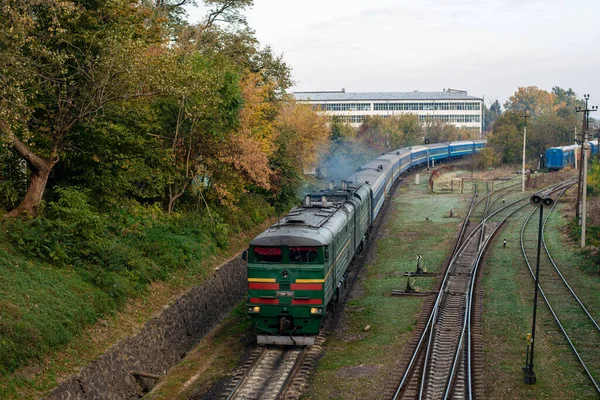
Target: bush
x=73, y=264
x=69, y=231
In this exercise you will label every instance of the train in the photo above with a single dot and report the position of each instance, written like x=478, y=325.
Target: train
x=299, y=265
x=560, y=157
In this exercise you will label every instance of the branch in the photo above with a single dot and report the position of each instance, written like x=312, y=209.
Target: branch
x=36, y=163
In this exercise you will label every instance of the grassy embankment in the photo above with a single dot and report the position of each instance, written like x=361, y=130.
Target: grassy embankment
x=508, y=316
x=356, y=362
x=77, y=281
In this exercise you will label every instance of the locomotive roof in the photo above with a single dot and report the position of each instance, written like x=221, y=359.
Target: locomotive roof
x=563, y=148
x=314, y=224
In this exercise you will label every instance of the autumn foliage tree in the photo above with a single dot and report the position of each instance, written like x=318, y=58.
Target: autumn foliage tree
x=387, y=134
x=533, y=100
x=552, y=122
x=302, y=137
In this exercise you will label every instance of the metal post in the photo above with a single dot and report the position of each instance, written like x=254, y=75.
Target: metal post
x=525, y=116
x=584, y=191
x=528, y=369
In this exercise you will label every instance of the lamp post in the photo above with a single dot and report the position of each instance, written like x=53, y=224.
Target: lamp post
x=525, y=116
x=528, y=368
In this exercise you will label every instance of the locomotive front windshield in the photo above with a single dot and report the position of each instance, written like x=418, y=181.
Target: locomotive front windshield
x=285, y=255
x=304, y=255
x=267, y=254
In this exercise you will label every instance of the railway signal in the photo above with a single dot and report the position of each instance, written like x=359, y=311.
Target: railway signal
x=536, y=201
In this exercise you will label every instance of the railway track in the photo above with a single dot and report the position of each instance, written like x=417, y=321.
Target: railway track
x=268, y=375
x=442, y=361
x=578, y=326
x=274, y=373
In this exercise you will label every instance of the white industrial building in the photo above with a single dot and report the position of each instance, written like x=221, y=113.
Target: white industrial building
x=450, y=106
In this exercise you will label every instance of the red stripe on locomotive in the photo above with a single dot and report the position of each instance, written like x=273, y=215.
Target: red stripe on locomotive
x=306, y=286
x=264, y=301
x=264, y=286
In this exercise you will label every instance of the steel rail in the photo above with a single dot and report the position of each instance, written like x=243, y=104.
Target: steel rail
x=246, y=374
x=558, y=270
x=458, y=248
x=468, y=308
x=466, y=331
x=435, y=308
x=412, y=361
x=573, y=348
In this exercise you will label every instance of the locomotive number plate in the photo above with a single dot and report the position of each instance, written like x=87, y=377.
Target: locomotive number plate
x=285, y=294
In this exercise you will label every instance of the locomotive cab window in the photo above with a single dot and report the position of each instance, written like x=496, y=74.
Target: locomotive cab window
x=267, y=254
x=304, y=255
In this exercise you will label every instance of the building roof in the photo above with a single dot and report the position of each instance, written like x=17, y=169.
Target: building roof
x=382, y=96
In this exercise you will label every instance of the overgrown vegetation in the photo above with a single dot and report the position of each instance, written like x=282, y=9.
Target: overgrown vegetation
x=132, y=145
x=552, y=122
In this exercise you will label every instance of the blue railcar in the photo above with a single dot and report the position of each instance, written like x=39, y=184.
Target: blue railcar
x=460, y=149
x=479, y=145
x=594, y=146
x=560, y=157
x=438, y=152
x=378, y=174
x=405, y=159
x=418, y=156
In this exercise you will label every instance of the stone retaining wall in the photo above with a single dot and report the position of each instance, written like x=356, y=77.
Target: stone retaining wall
x=162, y=342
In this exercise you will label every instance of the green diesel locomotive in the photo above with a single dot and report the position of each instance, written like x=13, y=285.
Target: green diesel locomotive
x=297, y=266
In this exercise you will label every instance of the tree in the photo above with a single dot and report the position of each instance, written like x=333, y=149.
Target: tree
x=390, y=133
x=302, y=139
x=491, y=115
x=533, y=100
x=305, y=131
x=566, y=97
x=507, y=137
x=202, y=108
x=70, y=61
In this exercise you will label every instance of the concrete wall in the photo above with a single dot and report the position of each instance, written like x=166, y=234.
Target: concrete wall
x=162, y=342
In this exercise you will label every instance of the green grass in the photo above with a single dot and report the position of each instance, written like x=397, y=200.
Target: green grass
x=392, y=319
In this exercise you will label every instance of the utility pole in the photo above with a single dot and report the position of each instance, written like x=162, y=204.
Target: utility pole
x=525, y=116
x=582, y=186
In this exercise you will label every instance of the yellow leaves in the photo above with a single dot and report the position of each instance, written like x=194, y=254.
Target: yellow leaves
x=536, y=101
x=256, y=114
x=248, y=148
x=305, y=132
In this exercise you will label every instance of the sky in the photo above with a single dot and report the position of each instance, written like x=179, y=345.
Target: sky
x=488, y=48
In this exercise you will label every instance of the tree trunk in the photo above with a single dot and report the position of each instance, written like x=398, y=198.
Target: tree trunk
x=40, y=171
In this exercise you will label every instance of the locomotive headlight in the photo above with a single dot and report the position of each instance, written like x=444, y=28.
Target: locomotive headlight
x=255, y=309
x=315, y=310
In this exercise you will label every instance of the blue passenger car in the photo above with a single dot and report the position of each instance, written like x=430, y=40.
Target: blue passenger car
x=459, y=149
x=479, y=145
x=418, y=155
x=560, y=157
x=378, y=174
x=438, y=151
x=594, y=146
